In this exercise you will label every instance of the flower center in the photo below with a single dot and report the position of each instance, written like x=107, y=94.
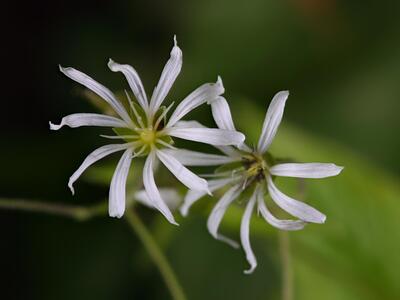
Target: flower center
x=255, y=167
x=148, y=136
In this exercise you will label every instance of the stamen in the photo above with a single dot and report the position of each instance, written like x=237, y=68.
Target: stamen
x=165, y=144
x=116, y=137
x=163, y=115
x=138, y=117
x=141, y=150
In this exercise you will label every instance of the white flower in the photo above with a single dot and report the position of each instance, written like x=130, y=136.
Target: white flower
x=256, y=171
x=146, y=132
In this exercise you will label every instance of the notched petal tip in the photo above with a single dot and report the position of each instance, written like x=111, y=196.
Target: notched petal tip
x=323, y=219
x=55, y=126
x=249, y=271
x=71, y=188
x=112, y=65
x=64, y=70
x=117, y=215
x=220, y=84
x=339, y=169
x=284, y=93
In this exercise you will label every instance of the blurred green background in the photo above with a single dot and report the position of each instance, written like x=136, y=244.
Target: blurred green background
x=339, y=59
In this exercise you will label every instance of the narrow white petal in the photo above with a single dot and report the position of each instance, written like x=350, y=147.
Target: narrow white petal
x=229, y=151
x=194, y=158
x=133, y=80
x=245, y=234
x=272, y=120
x=289, y=225
x=192, y=196
x=183, y=174
x=222, y=114
x=170, y=197
x=306, y=170
x=167, y=79
x=218, y=212
x=116, y=199
x=96, y=155
x=199, y=96
x=99, y=89
x=294, y=207
x=212, y=136
x=83, y=119
x=189, y=124
x=152, y=191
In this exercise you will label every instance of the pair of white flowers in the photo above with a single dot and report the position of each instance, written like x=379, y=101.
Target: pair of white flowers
x=145, y=131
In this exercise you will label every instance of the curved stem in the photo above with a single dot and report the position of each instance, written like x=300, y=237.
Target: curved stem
x=287, y=274
x=156, y=255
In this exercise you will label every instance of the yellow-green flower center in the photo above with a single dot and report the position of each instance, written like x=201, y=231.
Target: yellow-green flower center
x=255, y=167
x=147, y=136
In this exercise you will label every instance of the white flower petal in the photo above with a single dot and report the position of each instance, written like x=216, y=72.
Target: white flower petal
x=212, y=136
x=294, y=207
x=194, y=158
x=218, y=212
x=289, y=225
x=222, y=114
x=199, y=96
x=168, y=76
x=192, y=196
x=152, y=191
x=96, y=155
x=100, y=90
x=83, y=119
x=116, y=199
x=272, y=120
x=189, y=124
x=229, y=151
x=133, y=80
x=183, y=174
x=306, y=170
x=245, y=234
x=170, y=197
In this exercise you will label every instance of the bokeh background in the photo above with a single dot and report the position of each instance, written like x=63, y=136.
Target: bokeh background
x=339, y=59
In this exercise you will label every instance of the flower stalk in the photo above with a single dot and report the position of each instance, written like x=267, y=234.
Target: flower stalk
x=156, y=255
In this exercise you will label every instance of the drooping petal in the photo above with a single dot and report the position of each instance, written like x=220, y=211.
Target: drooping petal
x=199, y=96
x=117, y=195
x=192, y=196
x=306, y=170
x=245, y=234
x=133, y=80
x=170, y=197
x=272, y=120
x=194, y=158
x=183, y=174
x=84, y=119
x=100, y=90
x=222, y=114
x=96, y=155
x=167, y=79
x=289, y=225
x=218, y=212
x=212, y=136
x=152, y=191
x=294, y=207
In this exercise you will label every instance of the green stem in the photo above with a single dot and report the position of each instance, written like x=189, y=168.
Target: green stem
x=71, y=211
x=287, y=274
x=156, y=255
